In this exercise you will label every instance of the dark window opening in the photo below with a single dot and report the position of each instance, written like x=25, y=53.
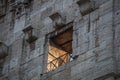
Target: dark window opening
x=60, y=49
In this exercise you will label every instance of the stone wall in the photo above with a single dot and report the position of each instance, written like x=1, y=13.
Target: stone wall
x=96, y=40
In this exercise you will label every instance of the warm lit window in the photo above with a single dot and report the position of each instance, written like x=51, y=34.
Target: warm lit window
x=60, y=49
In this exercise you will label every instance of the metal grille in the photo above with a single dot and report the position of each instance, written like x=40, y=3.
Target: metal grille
x=58, y=62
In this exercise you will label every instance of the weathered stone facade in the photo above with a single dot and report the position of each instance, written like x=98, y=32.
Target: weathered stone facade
x=96, y=39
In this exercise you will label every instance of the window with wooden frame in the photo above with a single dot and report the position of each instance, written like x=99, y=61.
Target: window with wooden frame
x=60, y=49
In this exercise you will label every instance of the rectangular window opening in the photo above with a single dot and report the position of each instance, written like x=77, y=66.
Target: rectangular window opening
x=60, y=49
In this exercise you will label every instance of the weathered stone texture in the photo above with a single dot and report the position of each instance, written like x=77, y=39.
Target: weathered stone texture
x=96, y=40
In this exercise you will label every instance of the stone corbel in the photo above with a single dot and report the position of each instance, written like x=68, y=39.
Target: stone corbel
x=87, y=6
x=58, y=20
x=31, y=35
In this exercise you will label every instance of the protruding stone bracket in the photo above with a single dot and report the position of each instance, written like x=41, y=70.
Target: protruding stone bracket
x=87, y=6
x=58, y=20
x=31, y=36
x=3, y=50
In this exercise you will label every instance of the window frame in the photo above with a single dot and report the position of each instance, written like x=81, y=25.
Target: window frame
x=47, y=43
